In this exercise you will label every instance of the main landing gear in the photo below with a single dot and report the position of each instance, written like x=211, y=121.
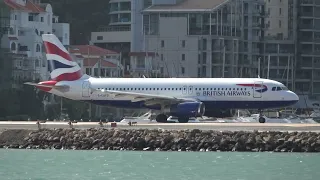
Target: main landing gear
x=161, y=118
x=261, y=118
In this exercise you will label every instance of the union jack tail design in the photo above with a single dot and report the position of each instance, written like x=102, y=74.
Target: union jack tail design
x=60, y=63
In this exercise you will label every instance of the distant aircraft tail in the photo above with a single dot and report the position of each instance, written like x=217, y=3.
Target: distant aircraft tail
x=60, y=64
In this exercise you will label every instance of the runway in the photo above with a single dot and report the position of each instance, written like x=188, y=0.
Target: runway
x=167, y=126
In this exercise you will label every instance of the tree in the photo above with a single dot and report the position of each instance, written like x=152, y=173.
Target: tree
x=84, y=16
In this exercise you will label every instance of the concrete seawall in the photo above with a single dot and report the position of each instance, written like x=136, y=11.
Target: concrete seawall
x=160, y=140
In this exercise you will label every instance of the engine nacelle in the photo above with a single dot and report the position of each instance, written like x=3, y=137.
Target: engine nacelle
x=186, y=109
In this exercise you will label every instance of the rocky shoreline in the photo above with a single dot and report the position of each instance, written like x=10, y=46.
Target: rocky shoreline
x=160, y=140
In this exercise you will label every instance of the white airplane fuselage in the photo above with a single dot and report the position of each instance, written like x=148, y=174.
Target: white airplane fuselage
x=179, y=97
x=226, y=93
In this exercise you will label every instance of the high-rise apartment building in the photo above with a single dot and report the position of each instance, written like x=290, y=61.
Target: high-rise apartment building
x=206, y=38
x=307, y=76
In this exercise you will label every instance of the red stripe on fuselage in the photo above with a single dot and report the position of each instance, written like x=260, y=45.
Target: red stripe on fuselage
x=69, y=76
x=46, y=89
x=53, y=49
x=250, y=85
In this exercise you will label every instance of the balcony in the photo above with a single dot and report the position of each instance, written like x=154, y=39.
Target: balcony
x=114, y=29
x=306, y=38
x=24, y=50
x=306, y=14
x=121, y=7
x=306, y=26
x=123, y=19
x=307, y=2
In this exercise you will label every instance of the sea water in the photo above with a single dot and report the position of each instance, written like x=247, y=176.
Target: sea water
x=133, y=165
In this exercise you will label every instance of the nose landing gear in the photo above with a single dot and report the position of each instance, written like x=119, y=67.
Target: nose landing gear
x=261, y=118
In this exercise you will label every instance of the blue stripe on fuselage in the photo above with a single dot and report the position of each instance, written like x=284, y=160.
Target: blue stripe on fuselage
x=208, y=104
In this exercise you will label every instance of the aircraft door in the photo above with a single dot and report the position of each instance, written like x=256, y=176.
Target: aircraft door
x=184, y=90
x=86, y=89
x=257, y=89
x=190, y=90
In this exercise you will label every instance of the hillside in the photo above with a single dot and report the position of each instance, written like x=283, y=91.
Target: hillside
x=84, y=16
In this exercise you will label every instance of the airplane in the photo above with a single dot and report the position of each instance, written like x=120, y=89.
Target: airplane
x=180, y=97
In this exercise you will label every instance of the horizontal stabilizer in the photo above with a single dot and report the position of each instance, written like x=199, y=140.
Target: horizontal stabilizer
x=58, y=87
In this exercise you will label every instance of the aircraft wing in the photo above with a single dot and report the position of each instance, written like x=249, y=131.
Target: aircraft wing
x=150, y=99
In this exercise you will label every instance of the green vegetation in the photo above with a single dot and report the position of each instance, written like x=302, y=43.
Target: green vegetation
x=84, y=17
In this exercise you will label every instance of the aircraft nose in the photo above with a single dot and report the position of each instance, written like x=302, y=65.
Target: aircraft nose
x=293, y=96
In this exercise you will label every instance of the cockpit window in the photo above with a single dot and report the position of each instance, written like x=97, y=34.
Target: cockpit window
x=279, y=88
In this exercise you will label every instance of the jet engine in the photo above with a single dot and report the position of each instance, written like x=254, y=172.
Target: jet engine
x=186, y=109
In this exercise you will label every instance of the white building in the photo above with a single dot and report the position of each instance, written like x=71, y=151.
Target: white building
x=125, y=34
x=30, y=19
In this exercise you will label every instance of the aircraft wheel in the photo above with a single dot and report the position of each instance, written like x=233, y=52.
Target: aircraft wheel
x=161, y=118
x=262, y=120
x=183, y=119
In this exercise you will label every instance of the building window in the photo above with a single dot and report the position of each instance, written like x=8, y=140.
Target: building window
x=161, y=56
x=30, y=18
x=279, y=23
x=37, y=63
x=88, y=71
x=162, y=43
x=182, y=70
x=279, y=11
x=99, y=37
x=38, y=48
x=13, y=46
x=15, y=17
x=41, y=19
x=183, y=57
x=49, y=19
x=204, y=44
x=183, y=43
x=44, y=62
x=11, y=31
x=161, y=70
